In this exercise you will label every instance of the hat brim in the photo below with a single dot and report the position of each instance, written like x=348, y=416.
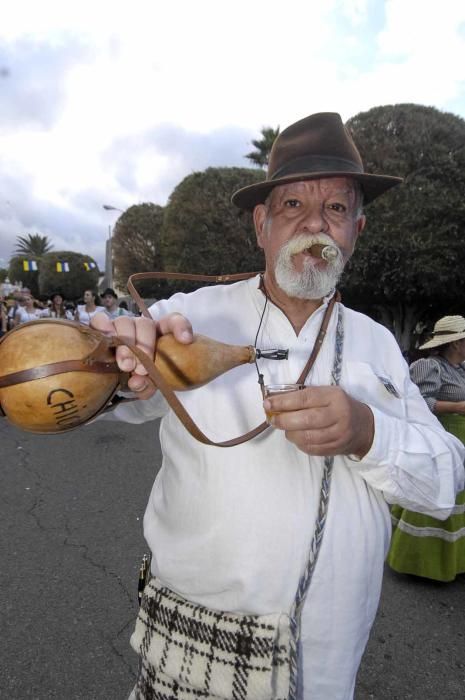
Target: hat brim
x=442, y=340
x=372, y=185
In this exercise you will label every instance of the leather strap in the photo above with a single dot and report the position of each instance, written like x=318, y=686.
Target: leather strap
x=184, y=416
x=218, y=279
x=27, y=375
x=91, y=363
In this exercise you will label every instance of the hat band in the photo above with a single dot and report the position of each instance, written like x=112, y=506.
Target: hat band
x=317, y=164
x=435, y=333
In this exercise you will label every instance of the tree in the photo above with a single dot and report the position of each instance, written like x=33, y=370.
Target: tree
x=409, y=263
x=17, y=274
x=263, y=146
x=3, y=274
x=203, y=232
x=71, y=284
x=33, y=245
x=136, y=246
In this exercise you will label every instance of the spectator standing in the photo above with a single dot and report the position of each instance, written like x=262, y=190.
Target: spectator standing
x=28, y=312
x=57, y=308
x=3, y=317
x=85, y=312
x=110, y=302
x=12, y=307
x=422, y=545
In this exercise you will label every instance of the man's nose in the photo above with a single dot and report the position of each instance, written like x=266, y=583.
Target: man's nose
x=313, y=219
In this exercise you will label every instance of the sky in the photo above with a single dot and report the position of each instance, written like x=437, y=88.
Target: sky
x=109, y=102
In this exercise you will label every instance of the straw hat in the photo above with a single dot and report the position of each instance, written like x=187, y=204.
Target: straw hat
x=446, y=330
x=318, y=146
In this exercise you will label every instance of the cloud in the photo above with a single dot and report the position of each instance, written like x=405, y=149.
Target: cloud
x=119, y=109
x=152, y=163
x=33, y=80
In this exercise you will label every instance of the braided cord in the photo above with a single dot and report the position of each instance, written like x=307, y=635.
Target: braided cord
x=317, y=538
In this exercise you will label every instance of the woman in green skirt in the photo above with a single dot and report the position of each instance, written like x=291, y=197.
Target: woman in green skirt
x=422, y=545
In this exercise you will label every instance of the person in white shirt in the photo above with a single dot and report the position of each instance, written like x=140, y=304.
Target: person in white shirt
x=57, y=308
x=85, y=312
x=110, y=303
x=231, y=528
x=29, y=311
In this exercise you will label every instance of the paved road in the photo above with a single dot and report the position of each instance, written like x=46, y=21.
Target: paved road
x=71, y=521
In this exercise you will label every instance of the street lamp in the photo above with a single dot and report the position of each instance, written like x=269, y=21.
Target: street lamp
x=108, y=248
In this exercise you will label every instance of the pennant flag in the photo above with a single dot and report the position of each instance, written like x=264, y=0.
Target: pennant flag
x=29, y=265
x=62, y=266
x=90, y=266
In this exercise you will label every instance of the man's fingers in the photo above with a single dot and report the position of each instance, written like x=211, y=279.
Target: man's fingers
x=310, y=398
x=178, y=326
x=309, y=419
x=142, y=386
x=102, y=323
x=140, y=332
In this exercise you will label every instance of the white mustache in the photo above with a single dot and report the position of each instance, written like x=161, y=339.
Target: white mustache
x=305, y=240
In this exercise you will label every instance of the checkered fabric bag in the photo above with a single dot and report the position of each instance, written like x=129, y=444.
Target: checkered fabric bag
x=189, y=651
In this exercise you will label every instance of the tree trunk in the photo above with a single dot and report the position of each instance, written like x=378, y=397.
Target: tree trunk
x=401, y=319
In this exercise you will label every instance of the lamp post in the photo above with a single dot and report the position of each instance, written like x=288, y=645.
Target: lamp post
x=108, y=248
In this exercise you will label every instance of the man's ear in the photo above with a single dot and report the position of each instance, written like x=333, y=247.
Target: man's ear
x=361, y=221
x=259, y=220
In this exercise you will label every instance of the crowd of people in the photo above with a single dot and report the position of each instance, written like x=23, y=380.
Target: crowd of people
x=22, y=307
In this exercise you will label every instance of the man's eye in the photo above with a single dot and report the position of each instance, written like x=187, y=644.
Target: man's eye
x=292, y=203
x=337, y=206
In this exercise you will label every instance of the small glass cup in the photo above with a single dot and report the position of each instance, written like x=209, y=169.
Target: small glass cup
x=273, y=389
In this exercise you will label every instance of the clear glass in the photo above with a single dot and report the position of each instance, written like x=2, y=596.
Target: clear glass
x=273, y=389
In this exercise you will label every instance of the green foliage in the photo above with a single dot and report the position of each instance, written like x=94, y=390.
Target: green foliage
x=261, y=154
x=33, y=244
x=71, y=284
x=17, y=275
x=203, y=232
x=412, y=251
x=136, y=246
x=3, y=274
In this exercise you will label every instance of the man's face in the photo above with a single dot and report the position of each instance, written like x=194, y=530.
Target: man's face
x=298, y=215
x=108, y=301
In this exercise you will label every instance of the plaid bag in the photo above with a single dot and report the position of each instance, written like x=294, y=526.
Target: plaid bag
x=189, y=651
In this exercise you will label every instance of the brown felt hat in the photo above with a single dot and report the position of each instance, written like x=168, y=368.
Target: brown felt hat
x=318, y=146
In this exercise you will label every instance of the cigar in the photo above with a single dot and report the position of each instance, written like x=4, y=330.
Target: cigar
x=324, y=251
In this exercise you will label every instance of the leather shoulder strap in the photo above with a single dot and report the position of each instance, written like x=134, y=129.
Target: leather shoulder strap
x=219, y=279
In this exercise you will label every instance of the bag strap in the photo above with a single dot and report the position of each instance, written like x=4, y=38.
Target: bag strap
x=317, y=538
x=218, y=279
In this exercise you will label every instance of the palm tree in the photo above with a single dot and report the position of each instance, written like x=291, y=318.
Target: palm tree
x=263, y=146
x=33, y=244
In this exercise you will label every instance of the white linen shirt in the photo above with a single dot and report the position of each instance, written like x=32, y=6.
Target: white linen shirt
x=230, y=528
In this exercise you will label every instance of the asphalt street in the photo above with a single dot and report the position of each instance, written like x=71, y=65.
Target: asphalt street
x=70, y=546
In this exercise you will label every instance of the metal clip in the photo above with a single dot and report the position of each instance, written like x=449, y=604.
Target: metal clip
x=272, y=354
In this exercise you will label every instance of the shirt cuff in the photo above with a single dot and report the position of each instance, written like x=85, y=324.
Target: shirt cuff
x=384, y=432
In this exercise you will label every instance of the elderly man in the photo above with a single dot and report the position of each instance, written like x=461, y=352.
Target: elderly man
x=253, y=530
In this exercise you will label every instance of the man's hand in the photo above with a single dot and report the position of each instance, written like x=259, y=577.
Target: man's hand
x=323, y=420
x=141, y=332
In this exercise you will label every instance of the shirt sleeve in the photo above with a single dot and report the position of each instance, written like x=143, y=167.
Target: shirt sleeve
x=413, y=460
x=137, y=411
x=426, y=374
